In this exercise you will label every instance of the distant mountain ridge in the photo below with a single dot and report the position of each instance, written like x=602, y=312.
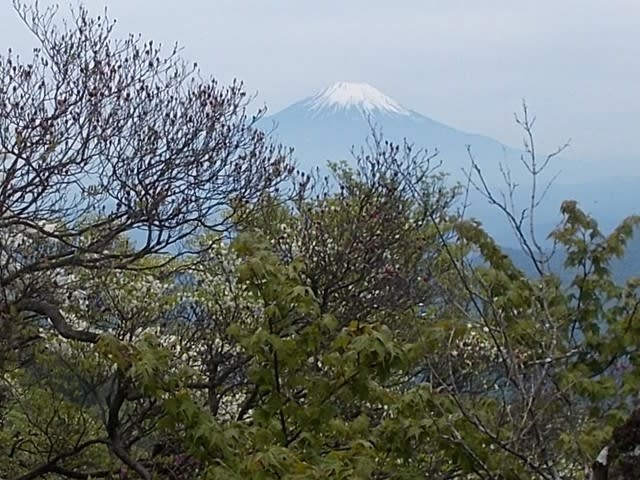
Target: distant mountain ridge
x=621, y=269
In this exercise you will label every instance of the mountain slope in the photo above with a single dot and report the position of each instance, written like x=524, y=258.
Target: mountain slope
x=621, y=269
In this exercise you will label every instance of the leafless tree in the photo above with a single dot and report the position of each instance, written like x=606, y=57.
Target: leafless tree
x=104, y=138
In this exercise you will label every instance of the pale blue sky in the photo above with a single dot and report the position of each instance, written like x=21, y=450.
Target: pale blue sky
x=466, y=63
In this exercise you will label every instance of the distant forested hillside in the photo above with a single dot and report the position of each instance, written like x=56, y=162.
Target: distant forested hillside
x=621, y=269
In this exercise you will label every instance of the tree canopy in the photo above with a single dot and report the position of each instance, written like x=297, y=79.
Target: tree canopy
x=177, y=302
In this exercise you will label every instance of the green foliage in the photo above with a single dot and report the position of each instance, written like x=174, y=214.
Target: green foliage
x=354, y=329
x=295, y=351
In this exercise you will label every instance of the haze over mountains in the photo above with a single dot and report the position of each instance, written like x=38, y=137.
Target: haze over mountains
x=326, y=126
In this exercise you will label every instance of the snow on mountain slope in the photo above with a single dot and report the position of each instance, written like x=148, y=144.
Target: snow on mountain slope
x=346, y=95
x=325, y=126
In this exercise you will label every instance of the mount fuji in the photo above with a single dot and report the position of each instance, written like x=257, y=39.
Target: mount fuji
x=327, y=125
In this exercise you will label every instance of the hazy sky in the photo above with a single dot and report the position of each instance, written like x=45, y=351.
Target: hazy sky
x=466, y=63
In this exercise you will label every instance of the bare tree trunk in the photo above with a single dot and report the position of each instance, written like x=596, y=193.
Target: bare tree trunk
x=600, y=468
x=620, y=459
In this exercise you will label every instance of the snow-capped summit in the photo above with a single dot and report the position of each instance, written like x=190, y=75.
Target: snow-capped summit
x=359, y=96
x=326, y=125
